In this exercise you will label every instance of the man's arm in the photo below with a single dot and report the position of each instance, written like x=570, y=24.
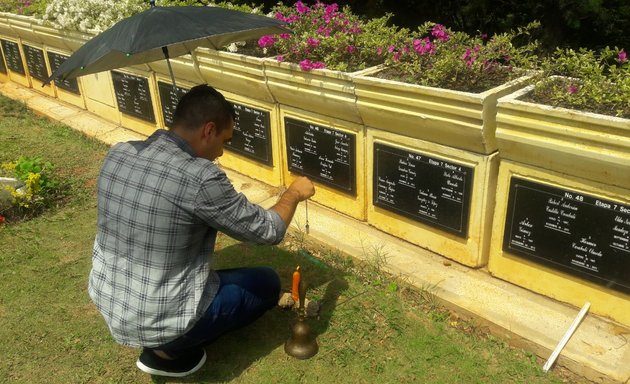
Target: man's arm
x=301, y=189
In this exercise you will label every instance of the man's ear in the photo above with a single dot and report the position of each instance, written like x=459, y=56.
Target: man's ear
x=208, y=130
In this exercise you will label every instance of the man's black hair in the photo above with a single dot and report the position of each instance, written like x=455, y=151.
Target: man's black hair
x=200, y=105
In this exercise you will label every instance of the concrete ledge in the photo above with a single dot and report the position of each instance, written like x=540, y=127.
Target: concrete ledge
x=599, y=351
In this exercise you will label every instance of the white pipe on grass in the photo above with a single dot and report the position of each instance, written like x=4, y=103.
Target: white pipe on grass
x=567, y=336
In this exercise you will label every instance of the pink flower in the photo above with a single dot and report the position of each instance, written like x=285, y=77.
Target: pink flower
x=312, y=42
x=266, y=41
x=397, y=56
x=623, y=56
x=355, y=29
x=285, y=36
x=350, y=48
x=331, y=9
x=379, y=51
x=468, y=57
x=324, y=31
x=301, y=8
x=439, y=32
x=423, y=46
x=572, y=89
x=391, y=49
x=280, y=58
x=292, y=19
x=306, y=65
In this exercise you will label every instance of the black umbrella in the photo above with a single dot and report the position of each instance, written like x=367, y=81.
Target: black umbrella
x=162, y=32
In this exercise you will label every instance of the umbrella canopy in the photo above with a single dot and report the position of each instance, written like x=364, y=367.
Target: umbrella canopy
x=163, y=32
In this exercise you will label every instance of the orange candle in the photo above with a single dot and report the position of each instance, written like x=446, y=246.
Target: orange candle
x=295, y=289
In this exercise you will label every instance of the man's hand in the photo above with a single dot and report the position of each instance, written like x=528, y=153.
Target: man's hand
x=300, y=189
x=303, y=187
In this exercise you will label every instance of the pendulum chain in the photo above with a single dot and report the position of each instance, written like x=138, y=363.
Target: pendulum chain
x=306, y=227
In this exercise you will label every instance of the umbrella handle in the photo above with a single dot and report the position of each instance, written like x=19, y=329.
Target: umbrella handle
x=168, y=62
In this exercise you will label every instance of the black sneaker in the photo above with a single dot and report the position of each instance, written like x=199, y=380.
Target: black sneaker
x=188, y=363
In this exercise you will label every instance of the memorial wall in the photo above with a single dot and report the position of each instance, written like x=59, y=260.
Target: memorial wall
x=558, y=232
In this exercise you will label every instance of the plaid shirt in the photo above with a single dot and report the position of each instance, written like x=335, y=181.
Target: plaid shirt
x=159, y=210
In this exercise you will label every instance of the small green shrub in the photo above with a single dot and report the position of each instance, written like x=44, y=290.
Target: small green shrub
x=586, y=80
x=39, y=190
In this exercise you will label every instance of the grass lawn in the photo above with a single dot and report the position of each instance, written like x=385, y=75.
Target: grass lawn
x=371, y=328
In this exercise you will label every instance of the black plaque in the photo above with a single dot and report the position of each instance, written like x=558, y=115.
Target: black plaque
x=169, y=97
x=324, y=154
x=133, y=95
x=12, y=55
x=35, y=62
x=252, y=134
x=423, y=188
x=55, y=60
x=573, y=232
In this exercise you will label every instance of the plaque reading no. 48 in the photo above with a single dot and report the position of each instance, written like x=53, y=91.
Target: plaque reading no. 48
x=324, y=154
x=576, y=233
x=423, y=188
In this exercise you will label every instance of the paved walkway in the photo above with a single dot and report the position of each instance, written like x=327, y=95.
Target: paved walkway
x=599, y=350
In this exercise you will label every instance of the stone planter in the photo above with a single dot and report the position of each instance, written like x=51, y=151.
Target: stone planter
x=595, y=147
x=236, y=73
x=34, y=30
x=562, y=214
x=445, y=145
x=22, y=28
x=456, y=119
x=325, y=92
x=63, y=40
x=183, y=67
x=5, y=27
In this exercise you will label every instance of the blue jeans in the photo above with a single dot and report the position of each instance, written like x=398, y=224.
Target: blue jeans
x=244, y=295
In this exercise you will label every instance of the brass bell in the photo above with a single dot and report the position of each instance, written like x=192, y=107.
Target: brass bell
x=302, y=343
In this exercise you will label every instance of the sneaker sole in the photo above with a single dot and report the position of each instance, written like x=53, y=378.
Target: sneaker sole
x=157, y=372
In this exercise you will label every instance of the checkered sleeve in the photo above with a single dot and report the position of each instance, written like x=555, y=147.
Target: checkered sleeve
x=228, y=211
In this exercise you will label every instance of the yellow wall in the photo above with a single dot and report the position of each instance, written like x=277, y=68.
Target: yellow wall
x=349, y=204
x=471, y=250
x=539, y=278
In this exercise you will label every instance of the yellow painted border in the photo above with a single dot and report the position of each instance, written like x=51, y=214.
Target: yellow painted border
x=4, y=77
x=62, y=94
x=15, y=77
x=353, y=206
x=50, y=89
x=542, y=279
x=472, y=250
x=273, y=174
x=136, y=124
x=98, y=93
